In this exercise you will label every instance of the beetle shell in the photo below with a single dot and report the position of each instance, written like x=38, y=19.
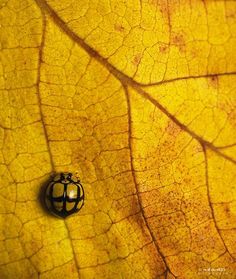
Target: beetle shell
x=64, y=195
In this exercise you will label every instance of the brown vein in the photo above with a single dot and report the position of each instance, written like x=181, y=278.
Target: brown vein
x=125, y=80
x=42, y=119
x=185, y=78
x=72, y=248
x=38, y=89
x=92, y=52
x=136, y=183
x=206, y=143
x=210, y=202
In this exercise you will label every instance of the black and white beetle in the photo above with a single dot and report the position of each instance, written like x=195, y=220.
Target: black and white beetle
x=64, y=195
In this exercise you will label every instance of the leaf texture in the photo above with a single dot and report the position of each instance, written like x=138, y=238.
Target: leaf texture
x=138, y=98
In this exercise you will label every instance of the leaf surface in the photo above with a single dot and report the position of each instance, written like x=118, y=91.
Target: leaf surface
x=138, y=98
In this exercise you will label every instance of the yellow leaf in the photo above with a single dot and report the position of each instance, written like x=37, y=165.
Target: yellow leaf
x=138, y=98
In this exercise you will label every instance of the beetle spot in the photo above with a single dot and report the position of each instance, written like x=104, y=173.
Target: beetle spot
x=137, y=58
x=213, y=81
x=179, y=41
x=119, y=28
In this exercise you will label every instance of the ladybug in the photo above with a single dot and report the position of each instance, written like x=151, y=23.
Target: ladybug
x=64, y=195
